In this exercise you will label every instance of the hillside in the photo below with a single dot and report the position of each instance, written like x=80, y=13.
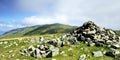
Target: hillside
x=87, y=42
x=39, y=30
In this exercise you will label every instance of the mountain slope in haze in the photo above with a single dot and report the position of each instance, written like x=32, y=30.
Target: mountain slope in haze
x=39, y=30
x=1, y=32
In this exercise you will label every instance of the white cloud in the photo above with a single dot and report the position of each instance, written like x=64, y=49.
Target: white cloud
x=105, y=13
x=6, y=27
x=35, y=20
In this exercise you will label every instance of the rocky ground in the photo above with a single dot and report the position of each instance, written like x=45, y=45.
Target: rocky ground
x=87, y=42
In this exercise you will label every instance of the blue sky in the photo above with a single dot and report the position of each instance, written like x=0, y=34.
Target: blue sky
x=21, y=13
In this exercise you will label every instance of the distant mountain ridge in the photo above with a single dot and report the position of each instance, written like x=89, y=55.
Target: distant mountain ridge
x=39, y=30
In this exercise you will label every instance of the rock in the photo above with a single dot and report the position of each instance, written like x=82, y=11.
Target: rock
x=62, y=52
x=10, y=51
x=82, y=48
x=91, y=44
x=36, y=53
x=97, y=54
x=88, y=56
x=24, y=52
x=41, y=38
x=55, y=51
x=51, y=47
x=1, y=42
x=3, y=56
x=111, y=32
x=42, y=47
x=42, y=52
x=12, y=55
x=72, y=39
x=38, y=46
x=16, y=44
x=5, y=42
x=104, y=52
x=110, y=54
x=31, y=48
x=112, y=49
x=53, y=59
x=59, y=43
x=53, y=42
x=49, y=54
x=98, y=44
x=82, y=38
x=109, y=42
x=32, y=40
x=115, y=46
x=17, y=59
x=91, y=32
x=82, y=57
x=116, y=52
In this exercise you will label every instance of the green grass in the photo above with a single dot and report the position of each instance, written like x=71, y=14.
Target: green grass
x=73, y=54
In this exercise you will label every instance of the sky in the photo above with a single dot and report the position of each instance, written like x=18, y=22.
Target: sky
x=22, y=13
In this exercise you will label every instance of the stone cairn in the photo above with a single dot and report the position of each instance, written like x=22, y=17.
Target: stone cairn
x=89, y=33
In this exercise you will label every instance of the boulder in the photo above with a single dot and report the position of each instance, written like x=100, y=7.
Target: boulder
x=49, y=54
x=36, y=53
x=97, y=54
x=116, y=52
x=109, y=54
x=55, y=51
x=51, y=47
x=115, y=46
x=91, y=44
x=42, y=47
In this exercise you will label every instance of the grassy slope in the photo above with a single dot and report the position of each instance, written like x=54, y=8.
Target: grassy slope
x=51, y=29
x=39, y=30
x=71, y=55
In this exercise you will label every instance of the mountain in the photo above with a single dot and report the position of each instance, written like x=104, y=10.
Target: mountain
x=39, y=30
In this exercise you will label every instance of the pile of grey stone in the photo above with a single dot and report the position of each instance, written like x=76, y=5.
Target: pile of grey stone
x=91, y=34
x=40, y=51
